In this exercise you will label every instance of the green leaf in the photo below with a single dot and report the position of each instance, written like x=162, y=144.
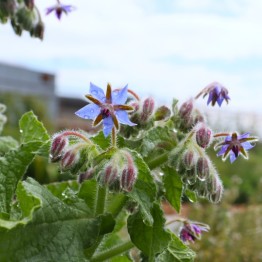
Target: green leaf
x=15, y=163
x=58, y=188
x=31, y=129
x=151, y=240
x=177, y=251
x=144, y=191
x=173, y=187
x=50, y=230
x=7, y=143
x=157, y=139
x=191, y=195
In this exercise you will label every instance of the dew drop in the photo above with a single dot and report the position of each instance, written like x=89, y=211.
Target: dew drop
x=94, y=92
x=92, y=110
x=202, y=179
x=191, y=181
x=21, y=131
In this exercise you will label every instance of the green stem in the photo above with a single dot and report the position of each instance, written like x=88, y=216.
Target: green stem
x=101, y=195
x=114, y=251
x=158, y=161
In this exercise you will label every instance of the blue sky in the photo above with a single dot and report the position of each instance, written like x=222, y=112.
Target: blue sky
x=161, y=48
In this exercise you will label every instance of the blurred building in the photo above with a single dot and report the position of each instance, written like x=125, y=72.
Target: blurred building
x=23, y=89
x=26, y=82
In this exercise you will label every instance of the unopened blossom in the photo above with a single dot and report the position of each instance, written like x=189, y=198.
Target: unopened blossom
x=109, y=108
x=191, y=231
x=59, y=8
x=235, y=145
x=216, y=92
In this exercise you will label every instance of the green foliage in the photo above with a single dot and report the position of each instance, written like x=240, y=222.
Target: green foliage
x=154, y=239
x=173, y=187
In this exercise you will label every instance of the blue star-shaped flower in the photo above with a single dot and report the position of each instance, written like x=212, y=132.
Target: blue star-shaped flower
x=235, y=145
x=109, y=108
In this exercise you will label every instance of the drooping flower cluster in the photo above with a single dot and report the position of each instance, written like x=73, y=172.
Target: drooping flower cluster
x=192, y=163
x=109, y=109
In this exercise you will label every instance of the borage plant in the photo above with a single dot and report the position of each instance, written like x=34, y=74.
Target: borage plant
x=113, y=209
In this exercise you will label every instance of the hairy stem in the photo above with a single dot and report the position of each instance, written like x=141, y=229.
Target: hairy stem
x=114, y=251
x=101, y=196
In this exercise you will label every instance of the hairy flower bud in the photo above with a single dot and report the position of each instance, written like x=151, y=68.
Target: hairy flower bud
x=29, y=4
x=162, y=113
x=202, y=168
x=86, y=175
x=147, y=109
x=203, y=135
x=189, y=159
x=110, y=175
x=186, y=109
x=128, y=178
x=216, y=197
x=69, y=159
x=58, y=144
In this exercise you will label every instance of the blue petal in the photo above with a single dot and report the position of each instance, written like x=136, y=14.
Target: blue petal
x=232, y=157
x=108, y=125
x=222, y=150
x=245, y=135
x=119, y=97
x=122, y=117
x=90, y=111
x=97, y=92
x=220, y=100
x=210, y=97
x=247, y=145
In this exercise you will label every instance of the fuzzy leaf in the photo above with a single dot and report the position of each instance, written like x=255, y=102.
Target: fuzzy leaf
x=15, y=163
x=49, y=230
x=144, y=191
x=7, y=143
x=31, y=129
x=151, y=240
x=173, y=187
x=177, y=251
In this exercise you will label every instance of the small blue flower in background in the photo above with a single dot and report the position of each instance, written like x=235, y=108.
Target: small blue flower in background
x=235, y=145
x=216, y=92
x=109, y=108
x=59, y=9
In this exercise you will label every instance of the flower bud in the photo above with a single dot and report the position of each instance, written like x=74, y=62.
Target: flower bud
x=216, y=197
x=69, y=159
x=59, y=143
x=189, y=159
x=202, y=168
x=29, y=4
x=186, y=110
x=110, y=175
x=162, y=113
x=38, y=30
x=214, y=183
x=135, y=105
x=128, y=178
x=86, y=175
x=203, y=135
x=147, y=109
